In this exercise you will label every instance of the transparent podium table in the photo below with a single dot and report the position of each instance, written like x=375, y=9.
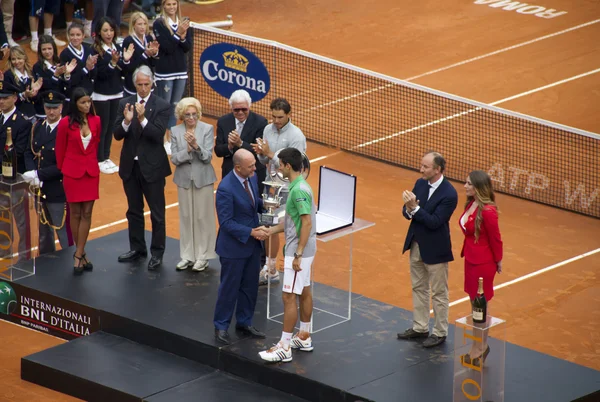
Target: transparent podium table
x=18, y=230
x=331, y=280
x=474, y=380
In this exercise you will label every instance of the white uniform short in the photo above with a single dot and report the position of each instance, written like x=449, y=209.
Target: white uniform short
x=296, y=281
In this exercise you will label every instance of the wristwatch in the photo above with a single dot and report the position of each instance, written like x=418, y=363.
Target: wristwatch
x=297, y=255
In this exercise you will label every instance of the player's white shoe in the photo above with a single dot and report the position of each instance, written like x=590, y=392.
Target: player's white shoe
x=277, y=354
x=303, y=345
x=266, y=277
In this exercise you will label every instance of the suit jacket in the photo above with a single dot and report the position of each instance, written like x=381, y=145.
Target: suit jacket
x=488, y=248
x=42, y=145
x=146, y=143
x=21, y=134
x=193, y=167
x=237, y=217
x=429, y=227
x=253, y=129
x=72, y=158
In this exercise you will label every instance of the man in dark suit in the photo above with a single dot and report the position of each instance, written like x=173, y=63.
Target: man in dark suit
x=20, y=133
x=48, y=177
x=238, y=246
x=142, y=122
x=429, y=207
x=239, y=129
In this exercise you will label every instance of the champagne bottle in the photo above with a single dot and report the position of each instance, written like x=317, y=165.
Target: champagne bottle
x=480, y=305
x=9, y=158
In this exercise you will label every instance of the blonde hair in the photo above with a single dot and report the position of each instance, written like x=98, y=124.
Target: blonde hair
x=184, y=104
x=484, y=195
x=133, y=19
x=165, y=16
x=19, y=53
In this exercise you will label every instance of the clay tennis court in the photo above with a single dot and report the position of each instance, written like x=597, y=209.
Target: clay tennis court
x=543, y=67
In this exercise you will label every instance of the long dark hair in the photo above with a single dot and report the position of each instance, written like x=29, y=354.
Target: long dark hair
x=45, y=39
x=98, y=42
x=75, y=116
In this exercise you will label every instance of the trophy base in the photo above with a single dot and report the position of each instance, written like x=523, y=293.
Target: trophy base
x=268, y=219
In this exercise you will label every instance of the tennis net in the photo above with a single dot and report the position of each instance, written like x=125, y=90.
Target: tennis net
x=396, y=121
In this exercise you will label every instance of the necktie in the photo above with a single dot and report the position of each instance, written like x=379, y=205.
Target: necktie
x=142, y=102
x=240, y=127
x=48, y=129
x=1, y=119
x=248, y=191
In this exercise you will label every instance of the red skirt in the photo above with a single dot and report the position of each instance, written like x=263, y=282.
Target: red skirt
x=83, y=189
x=472, y=274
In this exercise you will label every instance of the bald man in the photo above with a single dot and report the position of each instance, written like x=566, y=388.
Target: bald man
x=238, y=203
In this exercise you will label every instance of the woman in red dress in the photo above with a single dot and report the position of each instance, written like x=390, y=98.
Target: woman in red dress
x=76, y=149
x=482, y=247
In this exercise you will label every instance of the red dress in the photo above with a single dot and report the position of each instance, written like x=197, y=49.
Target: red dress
x=481, y=258
x=79, y=165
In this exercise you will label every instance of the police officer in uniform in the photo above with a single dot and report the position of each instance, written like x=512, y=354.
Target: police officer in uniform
x=21, y=131
x=53, y=208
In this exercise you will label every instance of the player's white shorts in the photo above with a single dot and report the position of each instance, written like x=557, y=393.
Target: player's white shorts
x=296, y=281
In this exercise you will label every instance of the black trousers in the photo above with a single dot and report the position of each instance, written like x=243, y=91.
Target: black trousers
x=136, y=189
x=107, y=111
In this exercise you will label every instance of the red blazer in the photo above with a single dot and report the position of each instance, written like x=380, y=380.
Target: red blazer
x=71, y=158
x=488, y=248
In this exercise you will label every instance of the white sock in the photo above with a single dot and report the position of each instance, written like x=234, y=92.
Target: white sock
x=34, y=36
x=304, y=326
x=286, y=338
x=48, y=31
x=271, y=263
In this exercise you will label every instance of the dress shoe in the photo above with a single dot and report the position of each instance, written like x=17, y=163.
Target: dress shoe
x=78, y=265
x=412, y=334
x=250, y=330
x=154, y=263
x=433, y=340
x=132, y=255
x=222, y=336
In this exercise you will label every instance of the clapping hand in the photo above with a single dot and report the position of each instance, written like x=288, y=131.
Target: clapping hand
x=141, y=110
x=60, y=70
x=152, y=48
x=191, y=140
x=70, y=66
x=128, y=113
x=234, y=140
x=91, y=61
x=410, y=200
x=128, y=53
x=261, y=147
x=183, y=27
x=115, y=56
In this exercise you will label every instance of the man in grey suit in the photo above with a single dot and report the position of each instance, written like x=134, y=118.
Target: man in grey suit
x=239, y=129
x=142, y=123
x=191, y=153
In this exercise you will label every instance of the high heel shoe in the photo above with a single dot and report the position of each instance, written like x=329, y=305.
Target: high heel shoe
x=477, y=361
x=88, y=266
x=78, y=269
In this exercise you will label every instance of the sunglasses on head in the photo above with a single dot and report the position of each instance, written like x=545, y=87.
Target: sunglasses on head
x=241, y=109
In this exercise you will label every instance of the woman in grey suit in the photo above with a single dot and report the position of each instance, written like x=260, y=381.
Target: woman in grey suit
x=191, y=153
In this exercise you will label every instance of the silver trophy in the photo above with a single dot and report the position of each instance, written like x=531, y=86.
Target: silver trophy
x=276, y=190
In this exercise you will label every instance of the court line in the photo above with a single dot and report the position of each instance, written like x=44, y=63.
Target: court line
x=483, y=56
x=460, y=63
x=475, y=109
x=532, y=274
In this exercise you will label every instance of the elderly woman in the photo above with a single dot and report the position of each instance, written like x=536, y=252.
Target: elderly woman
x=191, y=146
